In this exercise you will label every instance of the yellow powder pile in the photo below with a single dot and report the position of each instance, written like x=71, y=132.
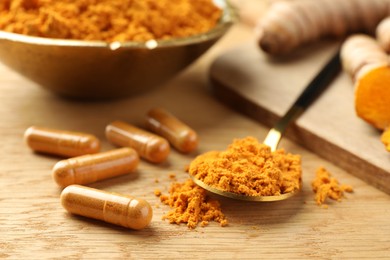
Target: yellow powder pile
x=248, y=167
x=326, y=186
x=385, y=138
x=191, y=205
x=108, y=20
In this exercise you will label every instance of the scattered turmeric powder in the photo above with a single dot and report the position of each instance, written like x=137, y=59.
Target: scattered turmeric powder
x=385, y=138
x=368, y=64
x=157, y=192
x=248, y=167
x=108, y=20
x=326, y=186
x=191, y=205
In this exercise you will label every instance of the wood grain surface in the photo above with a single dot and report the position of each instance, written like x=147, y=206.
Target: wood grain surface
x=264, y=88
x=33, y=225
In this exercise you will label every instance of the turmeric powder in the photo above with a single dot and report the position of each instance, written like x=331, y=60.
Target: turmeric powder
x=248, y=167
x=191, y=205
x=385, y=138
x=326, y=186
x=108, y=20
x=289, y=24
x=368, y=64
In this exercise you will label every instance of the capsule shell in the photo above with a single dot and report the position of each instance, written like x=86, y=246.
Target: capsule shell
x=59, y=142
x=179, y=135
x=118, y=209
x=95, y=167
x=148, y=145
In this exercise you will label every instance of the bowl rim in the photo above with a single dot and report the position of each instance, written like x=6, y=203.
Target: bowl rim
x=227, y=19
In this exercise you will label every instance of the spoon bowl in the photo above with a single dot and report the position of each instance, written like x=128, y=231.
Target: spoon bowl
x=237, y=196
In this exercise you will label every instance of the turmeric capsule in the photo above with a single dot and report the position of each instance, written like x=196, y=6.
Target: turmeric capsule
x=148, y=145
x=94, y=167
x=114, y=208
x=59, y=142
x=180, y=135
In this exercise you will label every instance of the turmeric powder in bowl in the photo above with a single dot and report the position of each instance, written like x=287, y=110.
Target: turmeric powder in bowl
x=109, y=20
x=249, y=168
x=100, y=49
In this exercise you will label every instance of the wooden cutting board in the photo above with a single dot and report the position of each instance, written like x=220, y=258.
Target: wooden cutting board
x=264, y=88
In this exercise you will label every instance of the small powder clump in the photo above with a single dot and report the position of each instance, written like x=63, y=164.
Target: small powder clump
x=108, y=20
x=248, y=167
x=191, y=205
x=157, y=192
x=326, y=186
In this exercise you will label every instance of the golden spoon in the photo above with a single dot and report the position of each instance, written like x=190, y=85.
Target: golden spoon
x=309, y=94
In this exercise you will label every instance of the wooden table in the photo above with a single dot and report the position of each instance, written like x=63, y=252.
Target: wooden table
x=33, y=225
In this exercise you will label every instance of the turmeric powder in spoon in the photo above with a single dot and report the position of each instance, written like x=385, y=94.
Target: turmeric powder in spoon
x=249, y=168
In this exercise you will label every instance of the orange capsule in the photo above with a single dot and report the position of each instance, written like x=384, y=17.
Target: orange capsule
x=180, y=135
x=118, y=209
x=148, y=145
x=59, y=142
x=95, y=167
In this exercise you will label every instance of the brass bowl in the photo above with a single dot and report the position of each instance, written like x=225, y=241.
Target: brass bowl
x=101, y=70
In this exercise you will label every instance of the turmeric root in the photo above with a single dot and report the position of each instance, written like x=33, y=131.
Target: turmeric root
x=360, y=52
x=383, y=34
x=369, y=67
x=290, y=24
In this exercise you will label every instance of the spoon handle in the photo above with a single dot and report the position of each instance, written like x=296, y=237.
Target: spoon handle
x=323, y=79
